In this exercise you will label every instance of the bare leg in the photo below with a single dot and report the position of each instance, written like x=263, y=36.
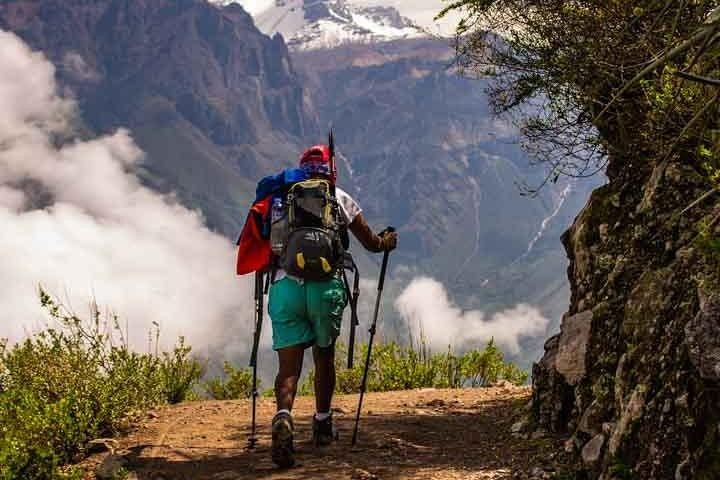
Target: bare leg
x=286, y=382
x=324, y=377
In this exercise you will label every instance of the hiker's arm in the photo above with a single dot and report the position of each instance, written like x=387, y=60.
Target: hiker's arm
x=368, y=239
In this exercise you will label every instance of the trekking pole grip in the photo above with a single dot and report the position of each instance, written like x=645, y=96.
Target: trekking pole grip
x=386, y=256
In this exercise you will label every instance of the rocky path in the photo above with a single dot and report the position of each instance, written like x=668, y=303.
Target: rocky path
x=420, y=434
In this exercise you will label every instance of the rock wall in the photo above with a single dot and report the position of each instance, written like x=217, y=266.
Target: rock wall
x=633, y=377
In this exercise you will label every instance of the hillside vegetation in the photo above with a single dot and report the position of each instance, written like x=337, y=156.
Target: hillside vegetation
x=75, y=381
x=79, y=380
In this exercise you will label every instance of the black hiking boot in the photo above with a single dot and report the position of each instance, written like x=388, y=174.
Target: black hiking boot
x=282, y=450
x=323, y=431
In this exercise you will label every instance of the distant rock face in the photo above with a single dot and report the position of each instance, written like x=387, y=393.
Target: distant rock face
x=422, y=152
x=634, y=375
x=204, y=93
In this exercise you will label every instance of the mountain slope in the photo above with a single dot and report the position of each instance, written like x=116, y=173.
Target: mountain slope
x=211, y=100
x=425, y=154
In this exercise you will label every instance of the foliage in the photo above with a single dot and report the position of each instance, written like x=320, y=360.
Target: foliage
x=398, y=367
x=597, y=81
x=237, y=383
x=69, y=384
x=179, y=374
x=708, y=237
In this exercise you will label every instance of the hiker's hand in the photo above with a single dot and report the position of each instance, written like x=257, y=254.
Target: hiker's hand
x=388, y=241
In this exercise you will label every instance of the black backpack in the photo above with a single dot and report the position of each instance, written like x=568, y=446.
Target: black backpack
x=311, y=238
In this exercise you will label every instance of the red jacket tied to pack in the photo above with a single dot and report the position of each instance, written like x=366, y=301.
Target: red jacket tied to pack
x=254, y=251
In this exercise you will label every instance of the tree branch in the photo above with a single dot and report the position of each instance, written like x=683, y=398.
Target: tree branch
x=697, y=78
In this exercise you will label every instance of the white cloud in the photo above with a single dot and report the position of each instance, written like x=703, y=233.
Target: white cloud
x=99, y=232
x=425, y=306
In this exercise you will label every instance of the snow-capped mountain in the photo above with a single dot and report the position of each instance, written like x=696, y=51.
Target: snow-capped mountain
x=313, y=24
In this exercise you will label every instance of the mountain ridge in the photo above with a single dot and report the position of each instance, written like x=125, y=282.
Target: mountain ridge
x=321, y=24
x=210, y=107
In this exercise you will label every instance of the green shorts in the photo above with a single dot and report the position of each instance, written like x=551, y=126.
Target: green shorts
x=306, y=313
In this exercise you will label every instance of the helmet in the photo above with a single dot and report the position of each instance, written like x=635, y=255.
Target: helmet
x=317, y=160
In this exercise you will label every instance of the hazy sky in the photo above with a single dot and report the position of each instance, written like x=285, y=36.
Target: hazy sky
x=420, y=11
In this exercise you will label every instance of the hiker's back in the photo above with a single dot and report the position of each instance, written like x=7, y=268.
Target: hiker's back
x=310, y=239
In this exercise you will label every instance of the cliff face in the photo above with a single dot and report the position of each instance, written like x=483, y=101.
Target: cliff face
x=213, y=101
x=634, y=375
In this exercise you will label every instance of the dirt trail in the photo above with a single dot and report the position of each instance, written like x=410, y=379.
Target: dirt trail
x=420, y=434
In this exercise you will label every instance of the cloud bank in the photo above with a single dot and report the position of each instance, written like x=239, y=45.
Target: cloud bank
x=76, y=219
x=425, y=306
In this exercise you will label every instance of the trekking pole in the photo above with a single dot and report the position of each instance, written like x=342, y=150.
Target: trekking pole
x=372, y=330
x=259, y=292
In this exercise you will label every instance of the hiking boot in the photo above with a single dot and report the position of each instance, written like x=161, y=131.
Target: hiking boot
x=323, y=431
x=282, y=450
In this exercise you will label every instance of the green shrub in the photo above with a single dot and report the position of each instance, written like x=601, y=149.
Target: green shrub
x=69, y=384
x=399, y=367
x=482, y=368
x=236, y=383
x=179, y=374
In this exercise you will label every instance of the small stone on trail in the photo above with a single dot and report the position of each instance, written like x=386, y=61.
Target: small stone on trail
x=504, y=384
x=152, y=414
x=436, y=403
x=102, y=445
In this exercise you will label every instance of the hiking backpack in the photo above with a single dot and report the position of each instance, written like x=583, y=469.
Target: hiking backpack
x=308, y=234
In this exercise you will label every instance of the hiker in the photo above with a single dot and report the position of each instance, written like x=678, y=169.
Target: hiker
x=306, y=311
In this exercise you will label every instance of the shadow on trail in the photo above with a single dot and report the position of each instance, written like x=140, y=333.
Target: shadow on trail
x=413, y=444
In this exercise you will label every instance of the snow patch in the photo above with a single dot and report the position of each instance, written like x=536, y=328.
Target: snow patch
x=331, y=23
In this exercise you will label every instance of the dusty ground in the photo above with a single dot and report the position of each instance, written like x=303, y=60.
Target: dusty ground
x=420, y=434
